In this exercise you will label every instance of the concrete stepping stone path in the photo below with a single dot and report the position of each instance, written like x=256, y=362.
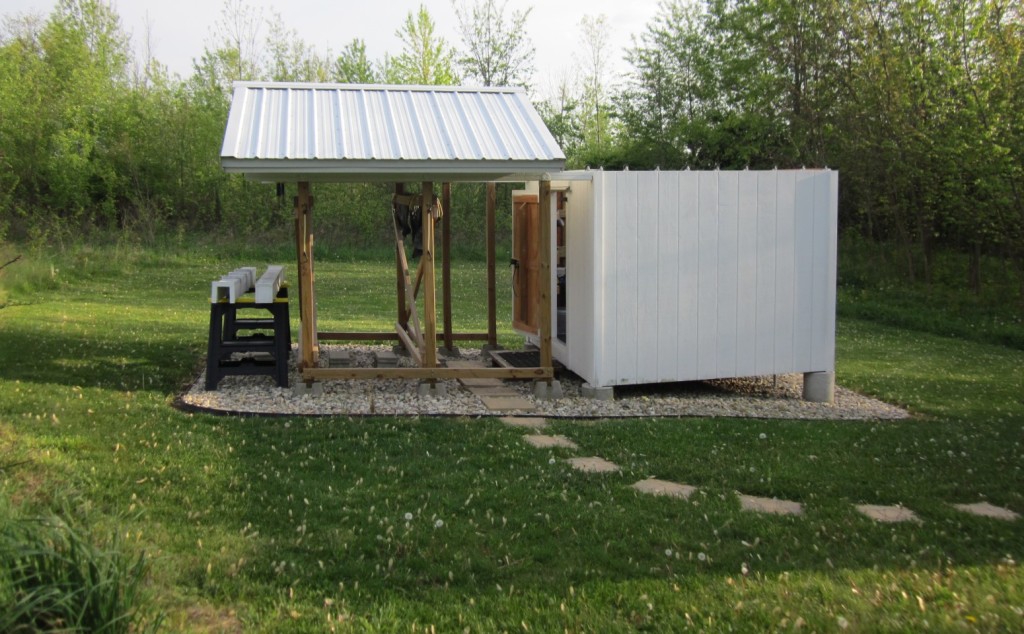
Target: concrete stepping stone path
x=541, y=441
x=525, y=422
x=505, y=403
x=888, y=514
x=773, y=506
x=653, y=486
x=593, y=464
x=984, y=509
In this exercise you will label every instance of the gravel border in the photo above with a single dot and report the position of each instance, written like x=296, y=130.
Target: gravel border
x=756, y=397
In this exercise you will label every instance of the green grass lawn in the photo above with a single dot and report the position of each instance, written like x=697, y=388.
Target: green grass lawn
x=296, y=524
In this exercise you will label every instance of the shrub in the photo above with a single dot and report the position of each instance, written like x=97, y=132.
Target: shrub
x=53, y=578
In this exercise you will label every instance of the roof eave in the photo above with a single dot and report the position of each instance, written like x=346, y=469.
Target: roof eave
x=348, y=171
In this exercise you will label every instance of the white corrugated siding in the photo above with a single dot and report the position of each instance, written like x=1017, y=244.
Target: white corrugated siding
x=701, y=275
x=320, y=122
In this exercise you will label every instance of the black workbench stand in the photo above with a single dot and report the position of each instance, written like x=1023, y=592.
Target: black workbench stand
x=225, y=325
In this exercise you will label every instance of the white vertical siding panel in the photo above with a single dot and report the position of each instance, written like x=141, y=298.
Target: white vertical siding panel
x=668, y=272
x=833, y=269
x=626, y=276
x=823, y=322
x=582, y=284
x=767, y=195
x=728, y=271
x=804, y=258
x=687, y=274
x=605, y=192
x=707, y=277
x=647, y=276
x=746, y=310
x=785, y=272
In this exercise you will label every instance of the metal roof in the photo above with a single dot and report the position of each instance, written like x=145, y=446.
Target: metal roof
x=347, y=132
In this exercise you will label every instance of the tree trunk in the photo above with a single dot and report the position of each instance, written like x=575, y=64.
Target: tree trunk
x=974, y=269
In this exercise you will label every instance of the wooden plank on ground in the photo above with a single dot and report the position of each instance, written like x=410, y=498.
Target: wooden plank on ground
x=313, y=374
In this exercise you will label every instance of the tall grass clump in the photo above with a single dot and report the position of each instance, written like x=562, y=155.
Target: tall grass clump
x=54, y=578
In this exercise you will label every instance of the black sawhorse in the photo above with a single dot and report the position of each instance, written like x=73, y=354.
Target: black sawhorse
x=225, y=325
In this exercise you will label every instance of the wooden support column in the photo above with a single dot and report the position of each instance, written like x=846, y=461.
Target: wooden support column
x=446, y=264
x=307, y=304
x=545, y=273
x=403, y=319
x=492, y=312
x=427, y=262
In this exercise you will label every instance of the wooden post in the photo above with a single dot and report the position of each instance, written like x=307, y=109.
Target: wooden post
x=446, y=264
x=492, y=312
x=304, y=230
x=544, y=200
x=429, y=299
x=403, y=319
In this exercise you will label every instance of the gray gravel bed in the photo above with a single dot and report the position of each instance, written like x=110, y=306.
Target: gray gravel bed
x=757, y=397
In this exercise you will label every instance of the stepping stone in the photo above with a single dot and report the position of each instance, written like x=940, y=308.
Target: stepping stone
x=653, y=486
x=984, y=509
x=498, y=390
x=546, y=442
x=385, y=359
x=525, y=422
x=774, y=506
x=890, y=514
x=482, y=382
x=339, y=358
x=500, y=403
x=593, y=464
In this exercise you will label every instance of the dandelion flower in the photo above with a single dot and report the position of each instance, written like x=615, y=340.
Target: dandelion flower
x=702, y=557
x=668, y=552
x=438, y=523
x=408, y=517
x=763, y=436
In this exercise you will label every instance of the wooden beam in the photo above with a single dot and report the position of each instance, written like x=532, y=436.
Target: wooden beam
x=406, y=291
x=446, y=264
x=304, y=218
x=545, y=274
x=403, y=313
x=391, y=336
x=409, y=344
x=492, y=312
x=312, y=374
x=429, y=299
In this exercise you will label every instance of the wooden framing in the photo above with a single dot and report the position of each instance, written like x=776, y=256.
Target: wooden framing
x=421, y=339
x=307, y=304
x=492, y=312
x=446, y=264
x=545, y=273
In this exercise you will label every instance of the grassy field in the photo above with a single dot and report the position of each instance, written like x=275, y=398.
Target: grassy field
x=382, y=525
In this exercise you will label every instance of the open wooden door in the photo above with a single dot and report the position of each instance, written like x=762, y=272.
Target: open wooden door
x=526, y=262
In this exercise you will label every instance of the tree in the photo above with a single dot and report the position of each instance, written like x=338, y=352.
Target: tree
x=595, y=121
x=498, y=51
x=352, y=65
x=233, y=51
x=426, y=59
x=292, y=59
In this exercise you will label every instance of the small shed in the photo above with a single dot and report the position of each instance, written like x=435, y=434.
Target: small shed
x=305, y=133
x=681, y=275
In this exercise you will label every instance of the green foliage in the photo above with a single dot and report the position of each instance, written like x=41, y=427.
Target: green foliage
x=53, y=578
x=426, y=59
x=498, y=50
x=352, y=65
